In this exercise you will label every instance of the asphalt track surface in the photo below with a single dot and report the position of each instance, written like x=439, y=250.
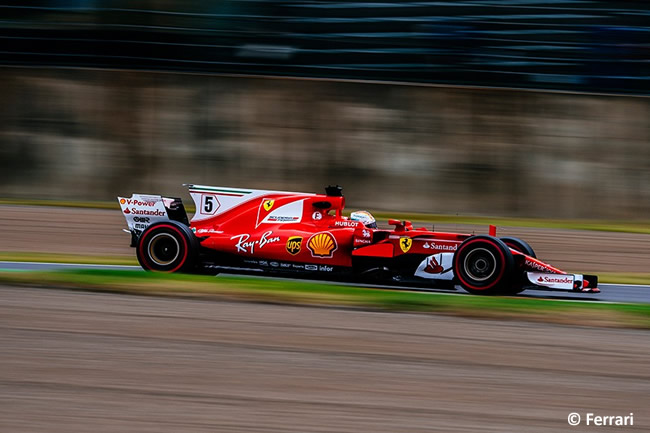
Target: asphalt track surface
x=78, y=362
x=609, y=292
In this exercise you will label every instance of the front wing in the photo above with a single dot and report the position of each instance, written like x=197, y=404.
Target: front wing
x=538, y=274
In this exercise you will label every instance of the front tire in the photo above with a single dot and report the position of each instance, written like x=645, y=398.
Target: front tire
x=519, y=282
x=519, y=245
x=483, y=265
x=167, y=247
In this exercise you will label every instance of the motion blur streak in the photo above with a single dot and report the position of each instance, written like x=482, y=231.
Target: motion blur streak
x=120, y=128
x=558, y=44
x=71, y=361
x=444, y=150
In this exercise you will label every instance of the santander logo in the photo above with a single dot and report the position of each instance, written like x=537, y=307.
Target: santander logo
x=433, y=267
x=554, y=280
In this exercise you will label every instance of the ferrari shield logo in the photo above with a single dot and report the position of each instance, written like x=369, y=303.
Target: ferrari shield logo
x=268, y=204
x=405, y=244
x=294, y=244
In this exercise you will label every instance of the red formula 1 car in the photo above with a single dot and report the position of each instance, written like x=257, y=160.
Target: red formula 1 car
x=306, y=235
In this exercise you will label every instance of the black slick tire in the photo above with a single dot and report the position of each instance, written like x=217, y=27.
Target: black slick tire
x=519, y=281
x=483, y=265
x=167, y=247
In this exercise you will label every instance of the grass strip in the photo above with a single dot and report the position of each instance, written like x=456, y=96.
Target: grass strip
x=61, y=203
x=12, y=256
x=317, y=293
x=622, y=277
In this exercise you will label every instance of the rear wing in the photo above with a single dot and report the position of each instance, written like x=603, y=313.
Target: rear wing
x=142, y=210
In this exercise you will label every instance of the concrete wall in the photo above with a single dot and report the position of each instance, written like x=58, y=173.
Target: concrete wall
x=81, y=134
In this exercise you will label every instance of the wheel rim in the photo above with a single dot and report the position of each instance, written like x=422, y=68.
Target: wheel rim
x=480, y=264
x=164, y=249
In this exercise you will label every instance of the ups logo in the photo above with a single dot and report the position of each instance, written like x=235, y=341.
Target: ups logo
x=294, y=244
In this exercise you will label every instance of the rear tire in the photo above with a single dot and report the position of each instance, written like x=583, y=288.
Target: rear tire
x=167, y=247
x=483, y=265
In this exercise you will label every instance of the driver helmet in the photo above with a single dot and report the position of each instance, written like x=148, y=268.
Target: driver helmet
x=364, y=217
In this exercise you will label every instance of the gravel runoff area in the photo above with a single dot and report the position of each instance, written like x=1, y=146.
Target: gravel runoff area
x=79, y=362
x=99, y=232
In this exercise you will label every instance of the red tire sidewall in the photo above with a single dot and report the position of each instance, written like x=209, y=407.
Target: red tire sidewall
x=143, y=255
x=495, y=248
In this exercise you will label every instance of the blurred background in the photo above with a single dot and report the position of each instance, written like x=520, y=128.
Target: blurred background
x=520, y=108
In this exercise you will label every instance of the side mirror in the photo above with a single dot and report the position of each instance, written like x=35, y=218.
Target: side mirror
x=401, y=226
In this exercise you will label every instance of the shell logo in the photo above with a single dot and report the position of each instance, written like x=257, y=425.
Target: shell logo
x=122, y=201
x=322, y=244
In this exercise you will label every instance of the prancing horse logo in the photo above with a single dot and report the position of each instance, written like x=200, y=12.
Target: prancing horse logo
x=405, y=244
x=268, y=204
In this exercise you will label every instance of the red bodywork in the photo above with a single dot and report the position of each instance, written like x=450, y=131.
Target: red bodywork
x=241, y=230
x=273, y=231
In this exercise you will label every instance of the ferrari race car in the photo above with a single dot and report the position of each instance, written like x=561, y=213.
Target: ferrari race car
x=306, y=235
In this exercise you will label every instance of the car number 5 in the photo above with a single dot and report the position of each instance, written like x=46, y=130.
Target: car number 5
x=208, y=204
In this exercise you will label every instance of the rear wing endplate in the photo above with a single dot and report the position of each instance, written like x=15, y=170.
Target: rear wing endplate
x=142, y=210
